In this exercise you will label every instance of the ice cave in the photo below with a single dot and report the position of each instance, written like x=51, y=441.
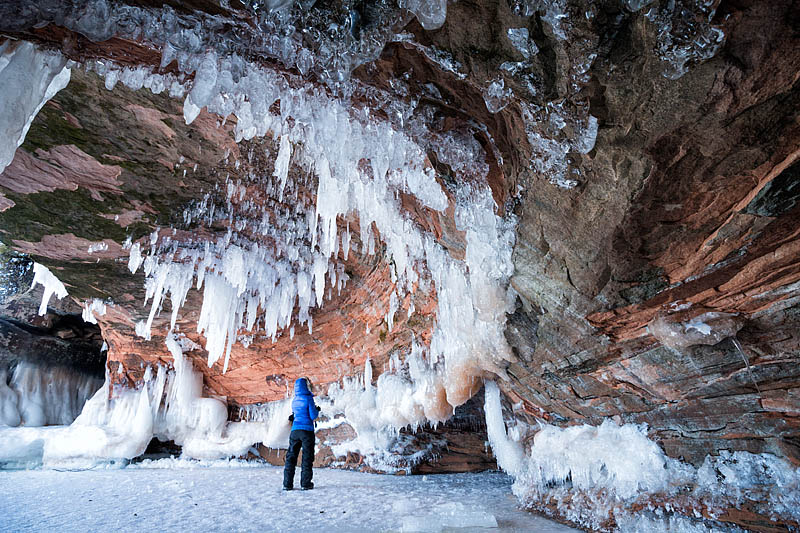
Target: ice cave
x=540, y=260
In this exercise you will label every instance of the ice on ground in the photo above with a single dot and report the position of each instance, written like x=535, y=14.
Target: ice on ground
x=230, y=496
x=449, y=515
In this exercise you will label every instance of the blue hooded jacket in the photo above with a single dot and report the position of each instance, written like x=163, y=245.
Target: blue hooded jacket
x=305, y=412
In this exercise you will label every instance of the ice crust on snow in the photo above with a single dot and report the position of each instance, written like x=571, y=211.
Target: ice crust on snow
x=448, y=515
x=29, y=77
x=51, y=284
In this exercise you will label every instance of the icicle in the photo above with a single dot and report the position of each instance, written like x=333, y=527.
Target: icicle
x=51, y=284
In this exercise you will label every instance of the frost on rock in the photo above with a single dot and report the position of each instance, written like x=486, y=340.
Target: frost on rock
x=431, y=14
x=520, y=38
x=636, y=5
x=585, y=141
x=51, y=284
x=29, y=77
x=97, y=247
x=706, y=328
x=497, y=96
x=311, y=37
x=553, y=12
x=685, y=34
x=554, y=130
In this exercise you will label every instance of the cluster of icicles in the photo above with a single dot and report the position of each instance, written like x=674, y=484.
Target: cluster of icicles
x=248, y=285
x=361, y=165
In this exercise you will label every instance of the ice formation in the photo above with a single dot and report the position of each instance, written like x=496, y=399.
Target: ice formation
x=51, y=284
x=685, y=34
x=553, y=12
x=311, y=38
x=521, y=40
x=248, y=285
x=119, y=424
x=377, y=412
x=430, y=13
x=707, y=328
x=29, y=77
x=497, y=96
x=32, y=396
x=594, y=472
x=636, y=5
x=92, y=309
x=262, y=275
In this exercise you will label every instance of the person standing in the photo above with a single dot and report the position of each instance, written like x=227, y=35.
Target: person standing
x=304, y=412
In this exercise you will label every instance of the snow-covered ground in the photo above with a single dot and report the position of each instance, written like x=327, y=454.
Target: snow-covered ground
x=176, y=495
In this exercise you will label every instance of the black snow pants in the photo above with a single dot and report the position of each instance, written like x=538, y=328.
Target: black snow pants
x=298, y=438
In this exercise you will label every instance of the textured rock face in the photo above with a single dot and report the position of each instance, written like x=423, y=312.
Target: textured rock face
x=659, y=286
x=671, y=229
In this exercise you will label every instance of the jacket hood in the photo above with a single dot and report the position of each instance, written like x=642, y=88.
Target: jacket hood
x=301, y=387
